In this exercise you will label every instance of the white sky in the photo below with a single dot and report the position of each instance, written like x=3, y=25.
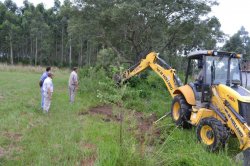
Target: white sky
x=232, y=14
x=47, y=3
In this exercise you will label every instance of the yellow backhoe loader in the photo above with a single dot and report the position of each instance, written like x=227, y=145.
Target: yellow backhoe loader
x=213, y=100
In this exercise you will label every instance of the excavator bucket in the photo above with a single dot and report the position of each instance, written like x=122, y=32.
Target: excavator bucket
x=118, y=79
x=246, y=154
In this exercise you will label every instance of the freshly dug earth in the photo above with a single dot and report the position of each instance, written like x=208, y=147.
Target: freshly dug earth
x=105, y=110
x=144, y=130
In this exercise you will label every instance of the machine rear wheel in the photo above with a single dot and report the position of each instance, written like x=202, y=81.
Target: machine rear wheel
x=212, y=133
x=180, y=111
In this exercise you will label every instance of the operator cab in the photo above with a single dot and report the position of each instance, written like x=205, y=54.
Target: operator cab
x=208, y=67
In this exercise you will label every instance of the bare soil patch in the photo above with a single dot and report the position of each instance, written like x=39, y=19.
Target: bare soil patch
x=83, y=113
x=145, y=123
x=13, y=136
x=90, y=160
x=143, y=127
x=144, y=130
x=105, y=110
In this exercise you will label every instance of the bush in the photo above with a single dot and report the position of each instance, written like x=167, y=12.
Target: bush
x=146, y=94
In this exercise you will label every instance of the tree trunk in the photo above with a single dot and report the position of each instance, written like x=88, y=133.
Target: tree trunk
x=55, y=59
x=36, y=53
x=70, y=51
x=62, y=48
x=81, y=52
x=89, y=52
x=31, y=48
x=11, y=50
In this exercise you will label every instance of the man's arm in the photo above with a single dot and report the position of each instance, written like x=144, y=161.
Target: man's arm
x=75, y=81
x=50, y=90
x=42, y=78
x=49, y=93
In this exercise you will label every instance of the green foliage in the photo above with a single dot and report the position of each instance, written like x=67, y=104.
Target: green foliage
x=106, y=57
x=104, y=32
x=239, y=43
x=147, y=95
x=95, y=81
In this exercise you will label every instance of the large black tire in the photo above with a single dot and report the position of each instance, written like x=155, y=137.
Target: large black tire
x=246, y=154
x=180, y=112
x=212, y=133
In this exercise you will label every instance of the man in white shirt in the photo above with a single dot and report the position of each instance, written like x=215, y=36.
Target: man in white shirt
x=73, y=84
x=47, y=92
x=43, y=77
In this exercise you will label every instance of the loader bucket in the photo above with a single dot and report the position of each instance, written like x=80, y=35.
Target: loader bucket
x=118, y=79
x=246, y=154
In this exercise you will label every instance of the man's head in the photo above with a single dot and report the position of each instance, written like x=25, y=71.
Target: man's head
x=48, y=69
x=50, y=75
x=75, y=69
x=200, y=63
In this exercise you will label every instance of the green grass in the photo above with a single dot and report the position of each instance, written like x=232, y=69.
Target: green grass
x=63, y=137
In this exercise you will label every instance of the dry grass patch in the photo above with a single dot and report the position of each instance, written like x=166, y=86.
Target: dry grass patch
x=32, y=69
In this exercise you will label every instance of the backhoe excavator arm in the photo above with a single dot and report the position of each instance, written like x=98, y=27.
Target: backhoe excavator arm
x=159, y=66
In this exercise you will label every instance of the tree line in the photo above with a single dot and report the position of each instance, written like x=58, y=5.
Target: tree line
x=87, y=32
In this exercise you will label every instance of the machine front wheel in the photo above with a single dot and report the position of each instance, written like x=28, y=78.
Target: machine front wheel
x=212, y=133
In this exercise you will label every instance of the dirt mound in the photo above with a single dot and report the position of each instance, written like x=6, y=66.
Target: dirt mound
x=144, y=129
x=105, y=110
x=145, y=123
x=145, y=132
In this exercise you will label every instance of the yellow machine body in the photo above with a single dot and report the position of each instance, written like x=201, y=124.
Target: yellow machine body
x=224, y=101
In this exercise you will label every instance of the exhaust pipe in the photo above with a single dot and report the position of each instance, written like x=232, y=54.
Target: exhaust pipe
x=246, y=154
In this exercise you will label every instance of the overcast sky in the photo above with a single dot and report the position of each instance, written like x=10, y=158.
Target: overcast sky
x=232, y=13
x=47, y=3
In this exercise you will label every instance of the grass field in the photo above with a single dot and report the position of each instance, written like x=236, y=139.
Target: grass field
x=89, y=132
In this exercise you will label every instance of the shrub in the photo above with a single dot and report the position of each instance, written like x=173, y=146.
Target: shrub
x=147, y=94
